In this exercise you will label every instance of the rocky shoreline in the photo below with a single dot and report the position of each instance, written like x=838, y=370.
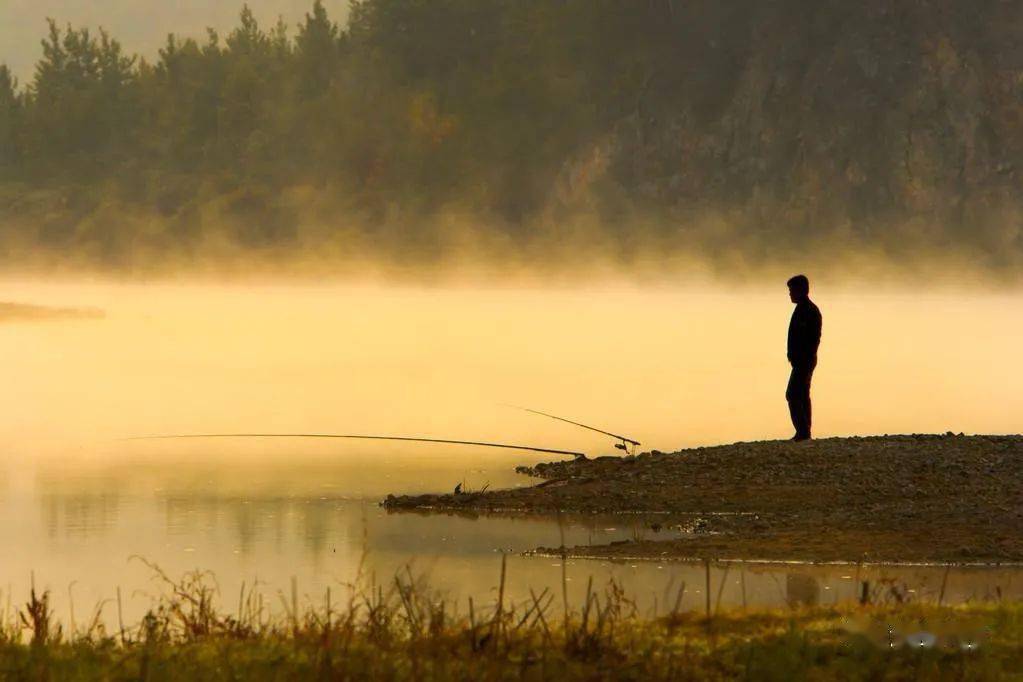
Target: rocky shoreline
x=914, y=498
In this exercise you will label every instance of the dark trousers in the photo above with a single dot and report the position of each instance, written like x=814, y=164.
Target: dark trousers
x=798, y=395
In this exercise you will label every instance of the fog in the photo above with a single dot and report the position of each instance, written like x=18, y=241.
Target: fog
x=669, y=366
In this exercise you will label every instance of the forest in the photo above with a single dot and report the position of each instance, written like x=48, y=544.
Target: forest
x=424, y=130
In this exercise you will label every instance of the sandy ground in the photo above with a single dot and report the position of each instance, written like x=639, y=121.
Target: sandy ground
x=888, y=498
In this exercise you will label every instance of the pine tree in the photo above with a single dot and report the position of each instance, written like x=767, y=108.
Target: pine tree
x=82, y=98
x=317, y=47
x=248, y=38
x=10, y=106
x=249, y=81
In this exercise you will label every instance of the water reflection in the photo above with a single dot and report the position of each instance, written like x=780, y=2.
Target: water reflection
x=82, y=526
x=79, y=515
x=802, y=590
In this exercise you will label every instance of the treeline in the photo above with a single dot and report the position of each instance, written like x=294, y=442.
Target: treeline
x=707, y=126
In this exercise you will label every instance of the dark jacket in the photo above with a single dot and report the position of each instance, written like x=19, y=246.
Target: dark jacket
x=804, y=334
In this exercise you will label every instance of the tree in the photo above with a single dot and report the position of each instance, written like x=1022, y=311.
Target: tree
x=10, y=110
x=248, y=38
x=249, y=72
x=183, y=100
x=82, y=104
x=316, y=50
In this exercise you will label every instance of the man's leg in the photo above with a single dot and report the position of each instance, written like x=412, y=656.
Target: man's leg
x=792, y=396
x=808, y=411
x=798, y=396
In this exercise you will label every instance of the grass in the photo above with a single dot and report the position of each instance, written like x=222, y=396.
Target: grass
x=402, y=631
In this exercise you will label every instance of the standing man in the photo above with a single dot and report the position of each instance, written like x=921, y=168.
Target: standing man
x=804, y=338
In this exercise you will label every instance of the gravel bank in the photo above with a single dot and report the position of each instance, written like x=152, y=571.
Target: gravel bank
x=886, y=498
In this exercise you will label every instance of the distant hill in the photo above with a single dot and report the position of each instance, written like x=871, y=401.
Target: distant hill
x=707, y=127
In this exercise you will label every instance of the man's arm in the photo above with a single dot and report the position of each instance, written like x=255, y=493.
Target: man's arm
x=791, y=341
x=814, y=333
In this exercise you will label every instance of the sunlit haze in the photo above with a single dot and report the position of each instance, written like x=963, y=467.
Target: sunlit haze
x=671, y=367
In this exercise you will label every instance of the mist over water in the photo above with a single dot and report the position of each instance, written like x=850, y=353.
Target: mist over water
x=672, y=367
x=669, y=366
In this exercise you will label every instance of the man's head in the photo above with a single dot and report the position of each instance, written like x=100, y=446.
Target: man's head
x=799, y=288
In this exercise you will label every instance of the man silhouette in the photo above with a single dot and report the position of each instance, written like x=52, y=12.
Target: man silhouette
x=804, y=338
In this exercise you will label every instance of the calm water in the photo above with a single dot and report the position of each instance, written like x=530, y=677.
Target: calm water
x=317, y=522
x=672, y=368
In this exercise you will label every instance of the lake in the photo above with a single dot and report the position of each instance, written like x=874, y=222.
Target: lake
x=672, y=367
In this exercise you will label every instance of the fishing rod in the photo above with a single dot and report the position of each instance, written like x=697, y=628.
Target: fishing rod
x=627, y=445
x=578, y=455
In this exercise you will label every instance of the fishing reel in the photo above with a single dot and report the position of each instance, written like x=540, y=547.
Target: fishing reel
x=627, y=446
